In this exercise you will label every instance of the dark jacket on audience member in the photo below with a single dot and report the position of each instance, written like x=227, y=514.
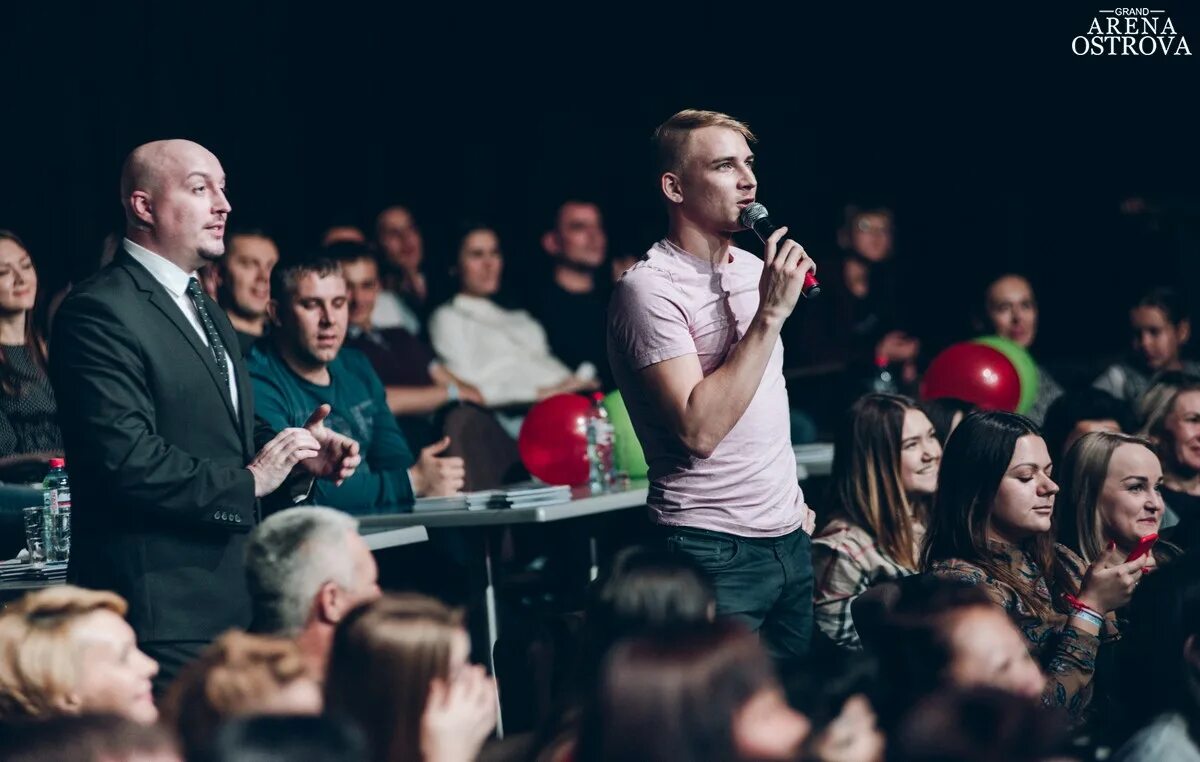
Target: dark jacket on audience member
x=359, y=410
x=156, y=454
x=576, y=326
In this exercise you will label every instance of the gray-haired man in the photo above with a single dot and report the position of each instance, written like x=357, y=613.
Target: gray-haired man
x=306, y=569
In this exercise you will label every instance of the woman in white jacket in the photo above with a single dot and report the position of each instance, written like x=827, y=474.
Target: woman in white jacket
x=501, y=351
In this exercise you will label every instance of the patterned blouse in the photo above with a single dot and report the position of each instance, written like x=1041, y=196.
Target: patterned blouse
x=1067, y=655
x=27, y=420
x=847, y=561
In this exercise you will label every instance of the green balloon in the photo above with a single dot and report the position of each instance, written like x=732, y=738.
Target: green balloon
x=627, y=450
x=1021, y=359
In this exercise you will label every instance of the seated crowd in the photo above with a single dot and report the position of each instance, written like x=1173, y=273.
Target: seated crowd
x=977, y=590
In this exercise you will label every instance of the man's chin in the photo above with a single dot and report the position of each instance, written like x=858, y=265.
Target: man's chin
x=212, y=253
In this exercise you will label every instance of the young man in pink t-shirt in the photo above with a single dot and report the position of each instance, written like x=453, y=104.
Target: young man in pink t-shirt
x=693, y=339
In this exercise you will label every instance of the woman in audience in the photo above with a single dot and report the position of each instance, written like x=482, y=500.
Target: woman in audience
x=709, y=693
x=399, y=668
x=1109, y=496
x=1170, y=419
x=942, y=634
x=66, y=650
x=1010, y=311
x=993, y=525
x=29, y=434
x=239, y=674
x=503, y=352
x=1160, y=667
x=645, y=591
x=945, y=413
x=1161, y=328
x=885, y=470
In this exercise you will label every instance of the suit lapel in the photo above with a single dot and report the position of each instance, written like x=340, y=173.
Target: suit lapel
x=159, y=297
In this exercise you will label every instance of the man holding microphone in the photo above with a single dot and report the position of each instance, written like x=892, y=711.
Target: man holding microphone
x=693, y=339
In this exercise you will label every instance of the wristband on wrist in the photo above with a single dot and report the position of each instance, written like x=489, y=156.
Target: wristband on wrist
x=452, y=392
x=1089, y=617
x=1083, y=609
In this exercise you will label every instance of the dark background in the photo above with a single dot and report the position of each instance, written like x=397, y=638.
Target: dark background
x=998, y=148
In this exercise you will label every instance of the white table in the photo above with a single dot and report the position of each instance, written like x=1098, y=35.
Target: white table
x=814, y=459
x=379, y=539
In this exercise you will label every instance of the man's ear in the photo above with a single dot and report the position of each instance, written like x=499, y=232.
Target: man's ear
x=328, y=603
x=672, y=187
x=273, y=312
x=143, y=209
x=551, y=243
x=1185, y=330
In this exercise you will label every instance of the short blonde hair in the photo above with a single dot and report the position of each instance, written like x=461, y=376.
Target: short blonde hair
x=671, y=137
x=233, y=676
x=39, y=659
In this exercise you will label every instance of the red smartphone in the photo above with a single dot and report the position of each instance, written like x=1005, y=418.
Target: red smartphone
x=1143, y=547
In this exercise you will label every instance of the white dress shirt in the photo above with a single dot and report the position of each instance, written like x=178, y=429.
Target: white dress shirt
x=175, y=281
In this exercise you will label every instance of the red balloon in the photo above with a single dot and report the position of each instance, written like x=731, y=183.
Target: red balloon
x=553, y=439
x=975, y=373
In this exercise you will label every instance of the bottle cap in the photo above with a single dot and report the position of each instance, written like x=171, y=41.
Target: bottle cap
x=58, y=463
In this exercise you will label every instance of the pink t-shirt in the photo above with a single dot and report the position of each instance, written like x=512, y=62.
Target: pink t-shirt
x=672, y=304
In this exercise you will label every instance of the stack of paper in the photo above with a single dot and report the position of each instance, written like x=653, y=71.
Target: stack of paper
x=523, y=495
x=20, y=570
x=449, y=503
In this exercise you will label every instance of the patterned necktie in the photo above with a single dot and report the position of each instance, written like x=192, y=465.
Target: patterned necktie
x=214, y=339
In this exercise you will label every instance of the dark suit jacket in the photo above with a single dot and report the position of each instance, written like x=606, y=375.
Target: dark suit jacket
x=162, y=500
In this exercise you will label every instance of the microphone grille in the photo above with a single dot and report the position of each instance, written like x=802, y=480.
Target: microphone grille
x=752, y=214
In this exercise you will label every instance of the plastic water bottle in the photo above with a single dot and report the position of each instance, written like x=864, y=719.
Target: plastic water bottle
x=601, y=474
x=56, y=511
x=883, y=381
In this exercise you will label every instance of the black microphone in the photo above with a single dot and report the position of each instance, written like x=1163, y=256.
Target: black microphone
x=755, y=217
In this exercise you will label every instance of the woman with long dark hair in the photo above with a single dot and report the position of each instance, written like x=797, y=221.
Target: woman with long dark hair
x=993, y=525
x=29, y=434
x=885, y=470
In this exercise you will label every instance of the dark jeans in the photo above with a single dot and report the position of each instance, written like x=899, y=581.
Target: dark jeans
x=765, y=582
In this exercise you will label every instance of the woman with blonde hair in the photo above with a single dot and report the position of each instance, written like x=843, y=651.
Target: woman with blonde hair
x=238, y=675
x=885, y=472
x=1169, y=415
x=66, y=650
x=399, y=668
x=1109, y=496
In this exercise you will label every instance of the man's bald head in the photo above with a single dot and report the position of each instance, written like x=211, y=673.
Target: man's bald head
x=173, y=192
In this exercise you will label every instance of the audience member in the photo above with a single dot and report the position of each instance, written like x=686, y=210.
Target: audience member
x=993, y=524
x=399, y=669
x=1081, y=412
x=238, y=675
x=1161, y=329
x=404, y=301
x=243, y=281
x=1161, y=650
x=294, y=738
x=1169, y=416
x=343, y=232
x=66, y=650
x=941, y=635
x=979, y=726
x=87, y=738
x=1011, y=312
x=503, y=352
x=307, y=568
x=1109, y=495
x=836, y=691
x=708, y=693
x=572, y=303
x=304, y=363
x=29, y=434
x=945, y=413
x=885, y=471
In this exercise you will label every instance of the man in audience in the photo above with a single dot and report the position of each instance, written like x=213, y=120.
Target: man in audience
x=167, y=462
x=306, y=568
x=694, y=344
x=571, y=305
x=244, y=283
x=304, y=363
x=404, y=301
